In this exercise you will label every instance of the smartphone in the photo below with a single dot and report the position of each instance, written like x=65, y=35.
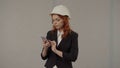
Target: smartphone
x=44, y=38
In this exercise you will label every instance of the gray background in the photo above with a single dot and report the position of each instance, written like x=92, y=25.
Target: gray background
x=22, y=22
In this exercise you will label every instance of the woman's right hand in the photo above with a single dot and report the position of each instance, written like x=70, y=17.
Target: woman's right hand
x=46, y=44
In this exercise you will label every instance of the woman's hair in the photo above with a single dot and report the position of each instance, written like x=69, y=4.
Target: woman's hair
x=66, y=26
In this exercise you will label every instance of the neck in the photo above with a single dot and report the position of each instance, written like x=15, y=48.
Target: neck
x=60, y=30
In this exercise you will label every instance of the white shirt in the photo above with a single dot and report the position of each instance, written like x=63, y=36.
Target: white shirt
x=55, y=66
x=59, y=36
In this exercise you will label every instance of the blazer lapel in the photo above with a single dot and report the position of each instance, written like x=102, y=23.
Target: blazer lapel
x=55, y=36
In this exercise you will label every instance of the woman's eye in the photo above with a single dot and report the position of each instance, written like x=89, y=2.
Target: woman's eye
x=58, y=19
x=52, y=20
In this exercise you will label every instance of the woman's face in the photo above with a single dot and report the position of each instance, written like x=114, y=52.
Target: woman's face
x=57, y=21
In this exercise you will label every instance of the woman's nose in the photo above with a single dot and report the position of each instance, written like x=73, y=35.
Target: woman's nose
x=54, y=23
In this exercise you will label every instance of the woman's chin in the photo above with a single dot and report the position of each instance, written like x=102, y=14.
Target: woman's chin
x=57, y=28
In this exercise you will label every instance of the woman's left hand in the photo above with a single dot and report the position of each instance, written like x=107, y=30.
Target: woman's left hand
x=53, y=46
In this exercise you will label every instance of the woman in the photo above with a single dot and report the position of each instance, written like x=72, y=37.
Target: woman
x=61, y=48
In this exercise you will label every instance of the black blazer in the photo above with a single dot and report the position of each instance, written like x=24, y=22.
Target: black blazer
x=69, y=47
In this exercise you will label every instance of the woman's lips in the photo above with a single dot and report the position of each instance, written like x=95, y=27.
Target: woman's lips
x=56, y=26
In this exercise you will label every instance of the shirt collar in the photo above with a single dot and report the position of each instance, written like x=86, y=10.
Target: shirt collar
x=59, y=33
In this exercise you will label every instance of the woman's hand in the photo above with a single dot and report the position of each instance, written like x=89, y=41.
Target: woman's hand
x=53, y=46
x=46, y=44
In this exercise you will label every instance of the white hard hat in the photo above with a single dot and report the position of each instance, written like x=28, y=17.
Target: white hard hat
x=61, y=10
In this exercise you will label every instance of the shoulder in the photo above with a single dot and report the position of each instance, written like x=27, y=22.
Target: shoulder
x=49, y=32
x=74, y=34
